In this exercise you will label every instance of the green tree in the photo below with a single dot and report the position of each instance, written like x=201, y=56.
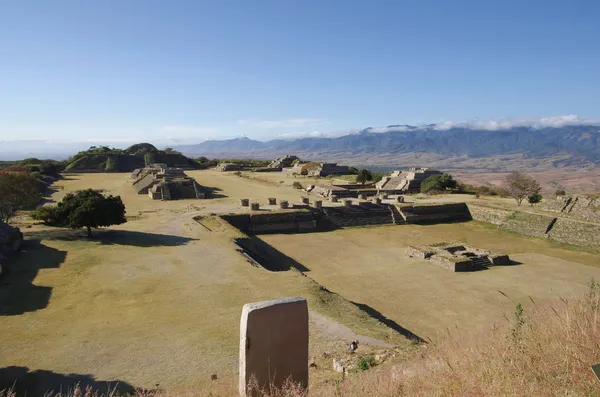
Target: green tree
x=438, y=183
x=18, y=191
x=534, y=199
x=363, y=176
x=84, y=208
x=521, y=186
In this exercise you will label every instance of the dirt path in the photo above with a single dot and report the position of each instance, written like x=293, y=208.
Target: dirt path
x=332, y=328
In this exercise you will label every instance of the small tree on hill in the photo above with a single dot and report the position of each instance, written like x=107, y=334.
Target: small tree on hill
x=363, y=176
x=17, y=191
x=521, y=186
x=534, y=199
x=438, y=183
x=84, y=208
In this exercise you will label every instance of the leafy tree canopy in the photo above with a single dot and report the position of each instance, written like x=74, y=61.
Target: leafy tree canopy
x=84, y=208
x=438, y=183
x=363, y=176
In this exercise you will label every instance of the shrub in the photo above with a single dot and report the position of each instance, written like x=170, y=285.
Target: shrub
x=438, y=183
x=534, y=199
x=363, y=176
x=560, y=192
x=364, y=363
x=297, y=185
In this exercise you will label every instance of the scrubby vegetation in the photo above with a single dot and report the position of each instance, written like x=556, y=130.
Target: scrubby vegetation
x=105, y=159
x=247, y=162
x=18, y=191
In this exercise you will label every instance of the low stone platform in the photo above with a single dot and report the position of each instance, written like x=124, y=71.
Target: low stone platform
x=458, y=257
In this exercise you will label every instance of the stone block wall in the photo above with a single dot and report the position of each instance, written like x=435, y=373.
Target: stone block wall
x=528, y=224
x=564, y=230
x=363, y=215
x=453, y=212
x=573, y=232
x=277, y=222
x=491, y=215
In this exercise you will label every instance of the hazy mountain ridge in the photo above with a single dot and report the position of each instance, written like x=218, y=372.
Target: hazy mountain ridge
x=575, y=145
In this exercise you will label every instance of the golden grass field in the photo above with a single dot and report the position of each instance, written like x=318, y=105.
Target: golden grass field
x=158, y=299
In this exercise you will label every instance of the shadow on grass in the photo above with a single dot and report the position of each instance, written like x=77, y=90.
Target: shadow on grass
x=264, y=255
x=213, y=192
x=25, y=382
x=388, y=322
x=18, y=294
x=113, y=237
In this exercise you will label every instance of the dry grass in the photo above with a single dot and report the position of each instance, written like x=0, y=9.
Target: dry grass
x=369, y=266
x=545, y=351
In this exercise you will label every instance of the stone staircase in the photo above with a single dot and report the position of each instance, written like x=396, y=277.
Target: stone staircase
x=197, y=191
x=481, y=262
x=569, y=206
x=397, y=218
x=165, y=192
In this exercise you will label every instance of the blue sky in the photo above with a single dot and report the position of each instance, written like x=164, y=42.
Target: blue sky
x=185, y=71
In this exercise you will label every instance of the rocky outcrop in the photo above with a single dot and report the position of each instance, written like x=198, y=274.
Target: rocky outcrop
x=11, y=239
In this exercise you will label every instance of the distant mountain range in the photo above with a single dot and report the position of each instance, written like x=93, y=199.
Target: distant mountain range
x=402, y=145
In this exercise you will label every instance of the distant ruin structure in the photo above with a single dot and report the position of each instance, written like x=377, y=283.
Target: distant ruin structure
x=283, y=162
x=458, y=257
x=273, y=345
x=405, y=181
x=160, y=182
x=224, y=167
x=318, y=169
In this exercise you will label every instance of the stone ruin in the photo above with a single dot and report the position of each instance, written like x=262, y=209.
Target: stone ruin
x=273, y=345
x=283, y=162
x=160, y=182
x=225, y=167
x=583, y=207
x=320, y=169
x=458, y=257
x=405, y=181
x=11, y=239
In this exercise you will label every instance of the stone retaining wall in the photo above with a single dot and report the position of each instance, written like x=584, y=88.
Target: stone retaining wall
x=279, y=222
x=564, y=230
x=528, y=224
x=495, y=216
x=576, y=233
x=437, y=213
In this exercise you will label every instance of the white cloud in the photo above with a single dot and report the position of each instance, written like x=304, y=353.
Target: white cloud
x=188, y=129
x=383, y=130
x=316, y=134
x=495, y=125
x=280, y=123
